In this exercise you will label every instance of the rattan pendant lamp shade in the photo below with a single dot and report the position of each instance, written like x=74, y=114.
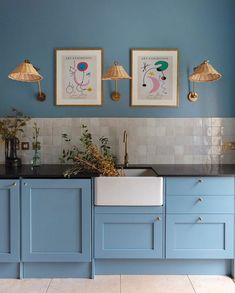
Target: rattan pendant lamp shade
x=116, y=72
x=204, y=72
x=26, y=72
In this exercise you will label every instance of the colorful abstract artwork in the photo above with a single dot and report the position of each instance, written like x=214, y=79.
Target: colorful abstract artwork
x=154, y=77
x=79, y=77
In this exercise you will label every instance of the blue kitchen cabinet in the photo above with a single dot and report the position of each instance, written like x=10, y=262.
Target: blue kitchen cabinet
x=123, y=234
x=56, y=220
x=9, y=221
x=200, y=217
x=199, y=236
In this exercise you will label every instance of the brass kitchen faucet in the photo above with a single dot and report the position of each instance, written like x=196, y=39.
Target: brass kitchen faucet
x=125, y=141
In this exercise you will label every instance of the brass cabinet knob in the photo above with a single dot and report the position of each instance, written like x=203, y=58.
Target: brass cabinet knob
x=199, y=220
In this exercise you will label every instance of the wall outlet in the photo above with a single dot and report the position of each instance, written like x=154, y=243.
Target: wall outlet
x=229, y=146
x=25, y=146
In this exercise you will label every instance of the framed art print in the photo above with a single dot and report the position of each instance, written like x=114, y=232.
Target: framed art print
x=78, y=78
x=154, y=77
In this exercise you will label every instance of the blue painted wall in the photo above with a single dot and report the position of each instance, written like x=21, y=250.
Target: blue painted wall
x=202, y=29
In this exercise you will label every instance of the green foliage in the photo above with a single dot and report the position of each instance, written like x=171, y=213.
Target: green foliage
x=36, y=145
x=86, y=142
x=11, y=126
x=105, y=148
x=70, y=153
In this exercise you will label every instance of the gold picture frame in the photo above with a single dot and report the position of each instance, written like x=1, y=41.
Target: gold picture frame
x=155, y=78
x=78, y=76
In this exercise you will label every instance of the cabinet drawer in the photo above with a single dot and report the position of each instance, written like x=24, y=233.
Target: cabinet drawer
x=128, y=236
x=187, y=204
x=199, y=236
x=200, y=186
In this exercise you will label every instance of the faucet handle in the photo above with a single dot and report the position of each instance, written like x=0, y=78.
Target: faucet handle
x=126, y=160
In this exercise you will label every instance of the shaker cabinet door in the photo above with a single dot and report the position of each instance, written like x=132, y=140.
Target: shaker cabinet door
x=128, y=236
x=56, y=220
x=9, y=221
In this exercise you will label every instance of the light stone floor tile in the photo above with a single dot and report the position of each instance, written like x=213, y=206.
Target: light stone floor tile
x=212, y=284
x=123, y=284
x=24, y=286
x=101, y=284
x=156, y=284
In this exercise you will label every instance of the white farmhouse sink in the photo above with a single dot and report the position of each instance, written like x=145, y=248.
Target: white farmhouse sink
x=139, y=187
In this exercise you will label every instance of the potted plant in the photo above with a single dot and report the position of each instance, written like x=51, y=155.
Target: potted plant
x=10, y=128
x=36, y=146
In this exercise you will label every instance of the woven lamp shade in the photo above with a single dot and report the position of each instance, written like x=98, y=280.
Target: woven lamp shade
x=204, y=73
x=25, y=72
x=116, y=72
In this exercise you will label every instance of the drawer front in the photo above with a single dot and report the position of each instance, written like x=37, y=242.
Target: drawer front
x=187, y=204
x=199, y=236
x=128, y=236
x=200, y=186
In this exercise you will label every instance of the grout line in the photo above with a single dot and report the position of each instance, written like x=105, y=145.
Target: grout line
x=191, y=283
x=48, y=285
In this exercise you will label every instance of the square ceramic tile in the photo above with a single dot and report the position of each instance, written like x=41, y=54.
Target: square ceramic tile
x=198, y=131
x=24, y=286
x=212, y=284
x=216, y=121
x=101, y=284
x=216, y=131
x=151, y=122
x=160, y=131
x=156, y=284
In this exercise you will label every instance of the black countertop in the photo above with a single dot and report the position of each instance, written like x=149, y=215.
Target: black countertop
x=195, y=170
x=56, y=171
x=42, y=171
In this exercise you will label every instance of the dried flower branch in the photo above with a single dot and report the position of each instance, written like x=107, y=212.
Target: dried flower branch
x=88, y=157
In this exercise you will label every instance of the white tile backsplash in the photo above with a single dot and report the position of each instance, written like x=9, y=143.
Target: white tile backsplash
x=151, y=140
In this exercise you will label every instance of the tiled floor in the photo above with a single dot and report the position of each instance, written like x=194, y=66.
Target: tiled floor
x=122, y=284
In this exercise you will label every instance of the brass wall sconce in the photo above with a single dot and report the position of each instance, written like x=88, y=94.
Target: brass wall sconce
x=116, y=72
x=202, y=73
x=26, y=72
